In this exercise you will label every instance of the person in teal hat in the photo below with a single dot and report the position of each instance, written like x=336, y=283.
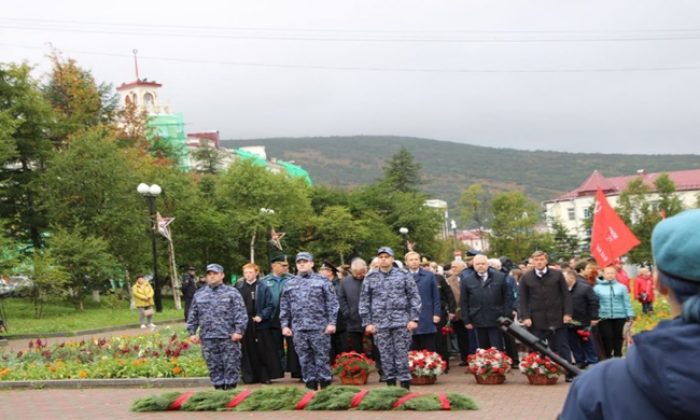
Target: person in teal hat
x=660, y=377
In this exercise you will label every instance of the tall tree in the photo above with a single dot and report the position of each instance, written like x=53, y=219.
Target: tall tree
x=25, y=125
x=402, y=172
x=669, y=202
x=640, y=215
x=514, y=220
x=565, y=245
x=475, y=207
x=79, y=102
x=338, y=231
x=92, y=184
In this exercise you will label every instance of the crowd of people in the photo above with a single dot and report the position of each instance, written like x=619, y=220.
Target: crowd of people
x=282, y=322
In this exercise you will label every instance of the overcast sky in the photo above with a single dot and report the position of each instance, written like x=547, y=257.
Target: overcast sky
x=594, y=76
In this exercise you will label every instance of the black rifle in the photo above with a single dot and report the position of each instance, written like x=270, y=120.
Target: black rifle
x=526, y=337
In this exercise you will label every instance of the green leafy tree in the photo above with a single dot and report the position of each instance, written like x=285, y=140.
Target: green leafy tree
x=402, y=173
x=208, y=159
x=92, y=184
x=338, y=231
x=475, y=206
x=669, y=203
x=565, y=245
x=48, y=279
x=241, y=194
x=26, y=121
x=87, y=259
x=514, y=220
x=78, y=101
x=640, y=215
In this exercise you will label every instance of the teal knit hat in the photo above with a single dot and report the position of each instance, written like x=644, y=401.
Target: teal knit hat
x=675, y=244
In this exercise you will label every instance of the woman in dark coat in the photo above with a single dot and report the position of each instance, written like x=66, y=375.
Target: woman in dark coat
x=259, y=361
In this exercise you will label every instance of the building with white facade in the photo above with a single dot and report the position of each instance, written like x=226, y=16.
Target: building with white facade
x=573, y=208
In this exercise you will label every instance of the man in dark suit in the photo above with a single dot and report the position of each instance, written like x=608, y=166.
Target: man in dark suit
x=485, y=296
x=545, y=304
x=424, y=337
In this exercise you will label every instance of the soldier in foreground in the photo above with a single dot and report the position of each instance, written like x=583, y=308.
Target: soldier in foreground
x=308, y=313
x=390, y=308
x=220, y=315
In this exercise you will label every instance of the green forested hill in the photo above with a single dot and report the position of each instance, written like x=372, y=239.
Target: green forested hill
x=450, y=167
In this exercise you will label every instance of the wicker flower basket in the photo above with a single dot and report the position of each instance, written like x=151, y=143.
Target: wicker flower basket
x=423, y=380
x=493, y=379
x=354, y=380
x=542, y=380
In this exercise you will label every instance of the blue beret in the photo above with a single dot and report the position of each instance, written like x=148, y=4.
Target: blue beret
x=385, y=250
x=304, y=256
x=215, y=268
x=675, y=244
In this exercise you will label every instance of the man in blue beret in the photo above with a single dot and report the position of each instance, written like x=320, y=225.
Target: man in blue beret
x=660, y=377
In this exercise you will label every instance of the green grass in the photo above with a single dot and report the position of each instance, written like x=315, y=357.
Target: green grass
x=62, y=316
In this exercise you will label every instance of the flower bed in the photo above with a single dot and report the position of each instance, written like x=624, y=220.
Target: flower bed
x=159, y=355
x=488, y=363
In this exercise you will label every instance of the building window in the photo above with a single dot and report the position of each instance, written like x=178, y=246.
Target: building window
x=586, y=213
x=148, y=100
x=572, y=213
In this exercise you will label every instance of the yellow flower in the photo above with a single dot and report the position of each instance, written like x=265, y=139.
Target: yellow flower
x=83, y=374
x=4, y=372
x=176, y=370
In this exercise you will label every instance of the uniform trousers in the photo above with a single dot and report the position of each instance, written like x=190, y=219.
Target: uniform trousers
x=223, y=357
x=393, y=346
x=313, y=348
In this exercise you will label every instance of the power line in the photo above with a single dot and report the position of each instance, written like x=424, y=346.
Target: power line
x=49, y=27
x=332, y=30
x=373, y=69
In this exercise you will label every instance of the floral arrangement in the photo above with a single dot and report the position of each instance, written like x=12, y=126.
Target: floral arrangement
x=351, y=364
x=584, y=334
x=447, y=329
x=425, y=363
x=535, y=364
x=165, y=355
x=488, y=362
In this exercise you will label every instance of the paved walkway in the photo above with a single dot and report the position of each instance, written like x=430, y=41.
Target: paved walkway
x=515, y=399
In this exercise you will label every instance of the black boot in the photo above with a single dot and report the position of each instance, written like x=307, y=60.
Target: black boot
x=218, y=387
x=406, y=384
x=312, y=385
x=391, y=382
x=324, y=384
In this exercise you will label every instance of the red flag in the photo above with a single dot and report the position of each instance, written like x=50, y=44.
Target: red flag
x=610, y=238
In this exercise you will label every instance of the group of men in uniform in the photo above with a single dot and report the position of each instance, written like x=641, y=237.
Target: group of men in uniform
x=306, y=314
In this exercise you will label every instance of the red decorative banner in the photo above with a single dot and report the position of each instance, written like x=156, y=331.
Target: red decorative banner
x=610, y=237
x=444, y=402
x=180, y=400
x=405, y=398
x=357, y=399
x=239, y=398
x=305, y=400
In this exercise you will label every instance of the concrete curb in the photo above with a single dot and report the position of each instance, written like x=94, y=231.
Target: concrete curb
x=106, y=383
x=4, y=338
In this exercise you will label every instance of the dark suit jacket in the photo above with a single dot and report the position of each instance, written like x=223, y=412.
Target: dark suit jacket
x=545, y=300
x=483, y=302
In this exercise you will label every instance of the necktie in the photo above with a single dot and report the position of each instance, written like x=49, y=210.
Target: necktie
x=540, y=273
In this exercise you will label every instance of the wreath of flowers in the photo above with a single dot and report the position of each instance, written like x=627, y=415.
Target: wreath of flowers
x=487, y=362
x=535, y=364
x=425, y=363
x=352, y=364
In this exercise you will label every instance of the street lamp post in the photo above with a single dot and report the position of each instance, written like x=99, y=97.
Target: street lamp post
x=404, y=233
x=150, y=192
